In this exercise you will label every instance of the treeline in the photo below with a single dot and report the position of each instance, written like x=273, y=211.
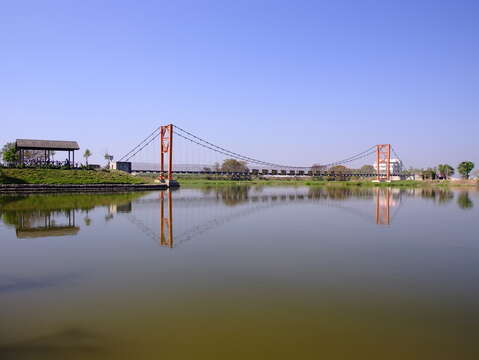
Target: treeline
x=445, y=171
x=442, y=171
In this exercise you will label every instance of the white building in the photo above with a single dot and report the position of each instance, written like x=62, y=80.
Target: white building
x=395, y=166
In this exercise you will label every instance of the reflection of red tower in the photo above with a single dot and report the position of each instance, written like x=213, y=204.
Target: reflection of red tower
x=383, y=204
x=166, y=146
x=166, y=221
x=383, y=157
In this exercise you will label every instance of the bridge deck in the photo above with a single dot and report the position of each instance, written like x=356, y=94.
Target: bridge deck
x=264, y=172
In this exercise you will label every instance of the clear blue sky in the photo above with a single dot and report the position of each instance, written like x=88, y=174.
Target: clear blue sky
x=284, y=81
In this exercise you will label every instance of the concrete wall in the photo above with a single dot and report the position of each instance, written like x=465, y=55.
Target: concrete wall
x=122, y=166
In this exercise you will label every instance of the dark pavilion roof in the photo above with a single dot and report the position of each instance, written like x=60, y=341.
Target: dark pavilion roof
x=26, y=144
x=47, y=232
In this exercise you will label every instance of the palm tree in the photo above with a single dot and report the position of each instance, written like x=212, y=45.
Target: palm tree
x=465, y=168
x=108, y=158
x=86, y=155
x=445, y=170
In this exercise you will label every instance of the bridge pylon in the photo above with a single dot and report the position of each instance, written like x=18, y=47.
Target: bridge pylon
x=166, y=148
x=383, y=162
x=166, y=151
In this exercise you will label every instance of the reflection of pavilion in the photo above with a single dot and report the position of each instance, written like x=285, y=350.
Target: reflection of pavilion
x=48, y=226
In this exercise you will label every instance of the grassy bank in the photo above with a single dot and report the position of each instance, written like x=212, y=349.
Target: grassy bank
x=56, y=176
x=202, y=182
x=197, y=181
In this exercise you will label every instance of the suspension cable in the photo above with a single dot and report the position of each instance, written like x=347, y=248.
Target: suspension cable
x=226, y=152
x=218, y=149
x=397, y=156
x=144, y=146
x=137, y=146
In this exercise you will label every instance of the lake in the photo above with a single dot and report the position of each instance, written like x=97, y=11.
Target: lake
x=241, y=272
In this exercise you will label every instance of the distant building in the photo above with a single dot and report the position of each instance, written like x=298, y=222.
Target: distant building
x=395, y=166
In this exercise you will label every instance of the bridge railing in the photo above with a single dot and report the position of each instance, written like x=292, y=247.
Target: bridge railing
x=265, y=172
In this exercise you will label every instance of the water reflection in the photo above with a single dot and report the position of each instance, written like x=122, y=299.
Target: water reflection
x=464, y=201
x=166, y=221
x=383, y=206
x=371, y=269
x=38, y=216
x=439, y=196
x=385, y=199
x=37, y=224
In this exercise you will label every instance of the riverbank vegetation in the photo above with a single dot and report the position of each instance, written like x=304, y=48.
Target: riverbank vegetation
x=198, y=180
x=58, y=176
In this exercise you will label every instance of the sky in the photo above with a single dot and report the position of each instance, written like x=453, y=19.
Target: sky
x=295, y=82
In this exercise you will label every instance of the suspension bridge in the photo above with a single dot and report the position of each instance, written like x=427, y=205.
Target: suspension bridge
x=170, y=150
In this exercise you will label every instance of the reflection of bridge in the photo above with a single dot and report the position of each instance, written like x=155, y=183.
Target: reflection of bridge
x=194, y=155
x=252, y=204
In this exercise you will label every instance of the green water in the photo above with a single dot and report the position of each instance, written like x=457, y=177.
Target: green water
x=241, y=273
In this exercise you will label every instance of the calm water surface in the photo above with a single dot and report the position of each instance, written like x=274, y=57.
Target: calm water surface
x=241, y=273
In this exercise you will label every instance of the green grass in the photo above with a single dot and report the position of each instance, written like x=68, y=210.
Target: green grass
x=191, y=181
x=202, y=181
x=55, y=176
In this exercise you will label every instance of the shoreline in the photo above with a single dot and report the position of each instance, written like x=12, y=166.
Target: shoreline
x=309, y=182
x=72, y=188
x=55, y=180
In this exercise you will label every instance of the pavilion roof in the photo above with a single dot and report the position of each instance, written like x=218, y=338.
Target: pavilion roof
x=27, y=144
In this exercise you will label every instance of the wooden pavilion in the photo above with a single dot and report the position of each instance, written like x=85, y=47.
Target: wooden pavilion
x=47, y=146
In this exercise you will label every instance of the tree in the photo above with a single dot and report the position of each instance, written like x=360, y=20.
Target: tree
x=367, y=169
x=233, y=165
x=318, y=168
x=339, y=169
x=428, y=174
x=86, y=155
x=339, y=172
x=38, y=155
x=9, y=153
x=465, y=168
x=445, y=170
